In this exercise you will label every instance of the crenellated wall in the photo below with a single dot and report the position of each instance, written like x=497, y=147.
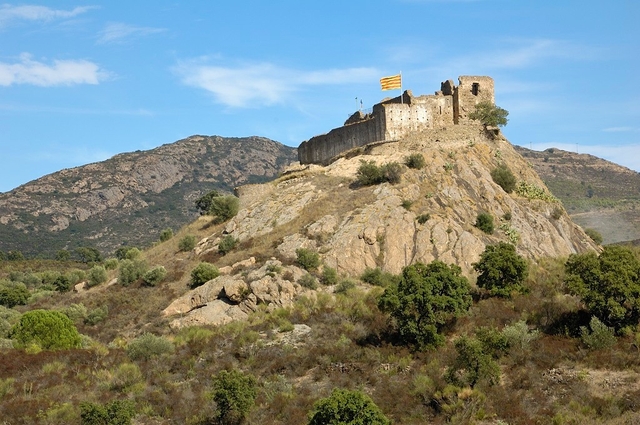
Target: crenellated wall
x=394, y=118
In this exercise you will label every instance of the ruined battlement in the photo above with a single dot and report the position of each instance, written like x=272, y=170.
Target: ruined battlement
x=396, y=117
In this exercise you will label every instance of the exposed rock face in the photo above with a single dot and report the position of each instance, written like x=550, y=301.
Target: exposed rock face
x=232, y=297
x=124, y=199
x=354, y=227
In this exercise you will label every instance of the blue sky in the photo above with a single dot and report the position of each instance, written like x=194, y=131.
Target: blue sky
x=80, y=82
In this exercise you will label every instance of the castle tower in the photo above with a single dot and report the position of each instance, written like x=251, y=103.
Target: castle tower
x=471, y=90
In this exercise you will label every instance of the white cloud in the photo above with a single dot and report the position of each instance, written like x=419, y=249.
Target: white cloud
x=10, y=13
x=60, y=72
x=621, y=130
x=117, y=32
x=264, y=84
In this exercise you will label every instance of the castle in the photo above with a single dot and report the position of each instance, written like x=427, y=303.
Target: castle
x=394, y=118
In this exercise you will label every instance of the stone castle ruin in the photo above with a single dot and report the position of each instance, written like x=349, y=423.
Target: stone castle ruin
x=394, y=118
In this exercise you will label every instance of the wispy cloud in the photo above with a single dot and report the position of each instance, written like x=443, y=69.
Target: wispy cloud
x=621, y=130
x=9, y=13
x=264, y=83
x=59, y=73
x=117, y=32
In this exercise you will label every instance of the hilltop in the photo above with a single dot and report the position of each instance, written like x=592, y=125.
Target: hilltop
x=130, y=198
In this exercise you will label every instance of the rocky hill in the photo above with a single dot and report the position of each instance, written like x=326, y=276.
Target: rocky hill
x=598, y=194
x=130, y=198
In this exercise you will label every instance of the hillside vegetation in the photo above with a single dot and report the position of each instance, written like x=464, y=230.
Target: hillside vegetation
x=439, y=293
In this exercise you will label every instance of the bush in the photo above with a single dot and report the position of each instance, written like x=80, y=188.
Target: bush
x=369, y=173
x=227, y=244
x=187, y=243
x=344, y=286
x=472, y=364
x=50, y=330
x=490, y=114
x=378, y=278
x=235, y=394
x=88, y=254
x=600, y=336
x=13, y=293
x=111, y=263
x=96, y=276
x=166, y=234
x=426, y=299
x=347, y=407
x=117, y=412
x=519, y=336
x=147, y=346
x=203, y=273
x=594, y=235
x=609, y=284
x=484, y=222
x=154, y=276
x=329, y=276
x=423, y=218
x=307, y=259
x=96, y=316
x=224, y=207
x=503, y=177
x=308, y=281
x=131, y=271
x=502, y=270
x=415, y=161
x=62, y=283
x=203, y=204
x=63, y=255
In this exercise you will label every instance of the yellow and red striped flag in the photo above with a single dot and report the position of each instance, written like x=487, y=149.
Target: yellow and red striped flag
x=391, y=83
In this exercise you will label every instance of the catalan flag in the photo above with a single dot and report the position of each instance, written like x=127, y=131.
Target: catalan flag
x=392, y=82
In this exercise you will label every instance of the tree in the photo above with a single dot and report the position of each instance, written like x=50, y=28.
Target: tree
x=88, y=254
x=97, y=275
x=13, y=293
x=484, y=222
x=203, y=204
x=49, y=329
x=346, y=407
x=502, y=270
x=15, y=255
x=234, y=393
x=490, y=114
x=426, y=298
x=63, y=255
x=154, y=276
x=224, y=207
x=609, y=284
x=203, y=273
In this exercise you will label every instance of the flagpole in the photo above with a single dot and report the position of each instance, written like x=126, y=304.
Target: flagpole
x=401, y=97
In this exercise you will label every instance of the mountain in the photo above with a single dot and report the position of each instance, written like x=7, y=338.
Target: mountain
x=130, y=198
x=598, y=194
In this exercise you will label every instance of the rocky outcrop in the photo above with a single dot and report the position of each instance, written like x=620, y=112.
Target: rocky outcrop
x=429, y=215
x=232, y=297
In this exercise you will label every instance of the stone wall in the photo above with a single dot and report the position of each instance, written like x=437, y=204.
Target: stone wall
x=393, y=119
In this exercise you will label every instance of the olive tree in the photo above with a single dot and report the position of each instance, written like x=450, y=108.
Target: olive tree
x=502, y=270
x=490, y=114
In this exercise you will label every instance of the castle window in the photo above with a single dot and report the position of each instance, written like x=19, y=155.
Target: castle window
x=474, y=88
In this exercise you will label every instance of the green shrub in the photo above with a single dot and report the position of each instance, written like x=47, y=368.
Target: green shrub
x=531, y=191
x=203, y=273
x=472, y=364
x=489, y=114
x=347, y=407
x=96, y=315
x=96, y=276
x=423, y=218
x=502, y=270
x=307, y=259
x=598, y=336
x=369, y=173
x=406, y=204
x=484, y=222
x=329, y=276
x=111, y=263
x=519, y=336
x=154, y=276
x=76, y=312
x=224, y=207
x=13, y=293
x=344, y=286
x=187, y=243
x=62, y=283
x=117, y=412
x=378, y=278
x=234, y=394
x=594, y=235
x=227, y=244
x=503, y=177
x=132, y=254
x=8, y=318
x=87, y=254
x=392, y=172
x=63, y=255
x=131, y=271
x=48, y=329
x=147, y=346
x=308, y=281
x=166, y=234
x=426, y=299
x=415, y=161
